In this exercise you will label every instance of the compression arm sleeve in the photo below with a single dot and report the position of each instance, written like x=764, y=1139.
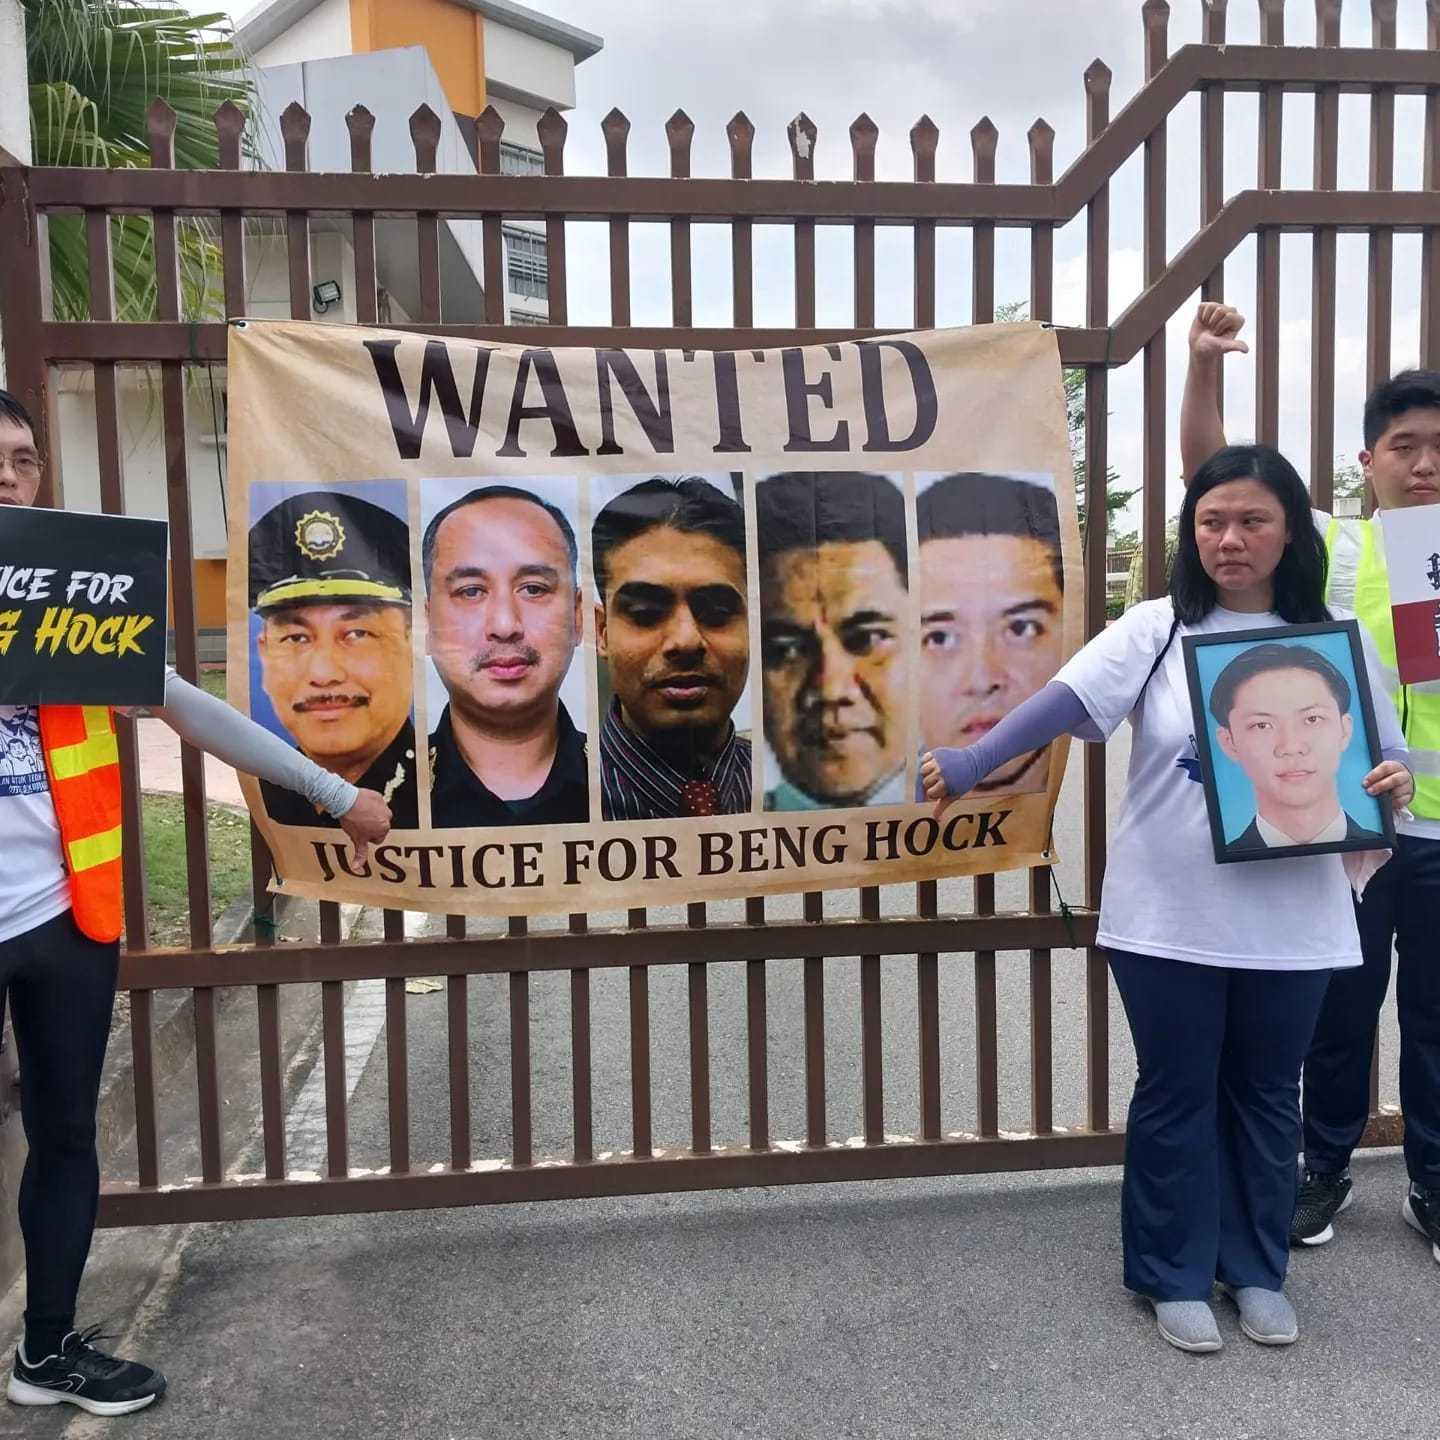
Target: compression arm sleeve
x=211, y=724
x=1054, y=711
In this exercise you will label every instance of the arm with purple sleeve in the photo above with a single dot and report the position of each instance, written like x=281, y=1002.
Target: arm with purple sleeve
x=1054, y=711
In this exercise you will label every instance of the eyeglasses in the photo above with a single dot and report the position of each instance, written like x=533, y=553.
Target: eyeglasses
x=25, y=467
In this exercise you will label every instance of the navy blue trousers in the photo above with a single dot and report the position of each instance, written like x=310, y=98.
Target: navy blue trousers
x=1214, y=1127
x=1401, y=907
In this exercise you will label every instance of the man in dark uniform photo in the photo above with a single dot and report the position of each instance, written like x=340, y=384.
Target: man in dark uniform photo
x=503, y=613
x=1283, y=718
x=330, y=581
x=673, y=627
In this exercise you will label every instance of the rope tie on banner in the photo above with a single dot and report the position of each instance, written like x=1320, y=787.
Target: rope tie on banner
x=1067, y=916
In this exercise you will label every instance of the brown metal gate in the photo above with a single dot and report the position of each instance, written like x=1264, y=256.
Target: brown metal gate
x=977, y=938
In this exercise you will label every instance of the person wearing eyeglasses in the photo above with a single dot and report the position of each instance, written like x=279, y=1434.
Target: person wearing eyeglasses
x=60, y=923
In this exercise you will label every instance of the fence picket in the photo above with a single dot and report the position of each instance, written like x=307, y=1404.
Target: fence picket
x=616, y=129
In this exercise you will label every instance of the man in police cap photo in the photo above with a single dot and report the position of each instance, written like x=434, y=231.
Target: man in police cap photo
x=330, y=581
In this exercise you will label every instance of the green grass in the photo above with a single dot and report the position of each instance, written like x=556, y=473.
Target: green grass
x=212, y=682
x=166, y=887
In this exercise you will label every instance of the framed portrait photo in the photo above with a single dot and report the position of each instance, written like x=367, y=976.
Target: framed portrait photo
x=1285, y=727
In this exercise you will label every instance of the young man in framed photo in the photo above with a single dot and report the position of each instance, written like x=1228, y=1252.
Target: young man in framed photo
x=1283, y=716
x=1401, y=907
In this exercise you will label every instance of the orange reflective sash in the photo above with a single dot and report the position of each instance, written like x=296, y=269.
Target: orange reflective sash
x=82, y=758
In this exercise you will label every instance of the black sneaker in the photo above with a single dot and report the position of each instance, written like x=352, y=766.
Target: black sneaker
x=1321, y=1199
x=1422, y=1211
x=84, y=1376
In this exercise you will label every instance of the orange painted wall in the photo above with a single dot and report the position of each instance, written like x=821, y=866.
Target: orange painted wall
x=210, y=594
x=453, y=35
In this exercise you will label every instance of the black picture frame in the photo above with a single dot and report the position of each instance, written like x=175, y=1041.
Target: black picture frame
x=1232, y=851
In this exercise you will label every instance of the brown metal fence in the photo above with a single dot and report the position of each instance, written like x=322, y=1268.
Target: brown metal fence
x=35, y=344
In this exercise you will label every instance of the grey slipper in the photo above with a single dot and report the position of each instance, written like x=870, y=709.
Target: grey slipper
x=1266, y=1316
x=1187, y=1325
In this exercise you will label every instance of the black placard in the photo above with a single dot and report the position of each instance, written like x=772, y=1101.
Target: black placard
x=82, y=608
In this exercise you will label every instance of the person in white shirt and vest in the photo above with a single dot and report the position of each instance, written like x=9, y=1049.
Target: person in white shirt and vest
x=60, y=922
x=1401, y=906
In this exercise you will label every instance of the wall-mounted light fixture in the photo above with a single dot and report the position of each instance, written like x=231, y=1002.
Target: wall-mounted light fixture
x=326, y=294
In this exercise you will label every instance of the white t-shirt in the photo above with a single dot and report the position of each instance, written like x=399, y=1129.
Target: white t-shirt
x=1407, y=824
x=33, y=884
x=1164, y=894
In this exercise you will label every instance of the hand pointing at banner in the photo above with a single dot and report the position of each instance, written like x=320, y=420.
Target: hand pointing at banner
x=366, y=822
x=949, y=772
x=208, y=722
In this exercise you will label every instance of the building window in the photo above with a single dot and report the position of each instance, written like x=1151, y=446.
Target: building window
x=527, y=268
x=528, y=317
x=520, y=159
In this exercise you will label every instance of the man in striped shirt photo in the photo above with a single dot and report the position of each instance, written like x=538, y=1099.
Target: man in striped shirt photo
x=503, y=624
x=672, y=628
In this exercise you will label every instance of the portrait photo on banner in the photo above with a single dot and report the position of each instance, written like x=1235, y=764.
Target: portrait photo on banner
x=991, y=596
x=672, y=640
x=330, y=648
x=505, y=689
x=1286, y=731
x=835, y=626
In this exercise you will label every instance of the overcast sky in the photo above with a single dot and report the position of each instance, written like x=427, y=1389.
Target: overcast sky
x=956, y=60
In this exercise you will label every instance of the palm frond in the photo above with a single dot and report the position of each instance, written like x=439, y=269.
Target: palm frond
x=95, y=67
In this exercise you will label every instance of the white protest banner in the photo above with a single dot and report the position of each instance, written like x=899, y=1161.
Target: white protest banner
x=618, y=628
x=1412, y=558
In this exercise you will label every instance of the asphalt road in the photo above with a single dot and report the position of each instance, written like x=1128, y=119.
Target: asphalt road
x=986, y=1305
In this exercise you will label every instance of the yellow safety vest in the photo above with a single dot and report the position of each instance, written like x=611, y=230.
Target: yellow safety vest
x=1359, y=582
x=82, y=759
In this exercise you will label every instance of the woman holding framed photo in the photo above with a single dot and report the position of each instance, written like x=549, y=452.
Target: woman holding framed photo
x=1221, y=967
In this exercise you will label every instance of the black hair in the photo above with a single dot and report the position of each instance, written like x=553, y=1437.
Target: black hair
x=973, y=503
x=803, y=509
x=1299, y=578
x=1409, y=390
x=496, y=492
x=688, y=504
x=13, y=411
x=1273, y=656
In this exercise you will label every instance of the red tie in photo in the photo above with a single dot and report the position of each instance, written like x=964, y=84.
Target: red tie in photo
x=700, y=797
